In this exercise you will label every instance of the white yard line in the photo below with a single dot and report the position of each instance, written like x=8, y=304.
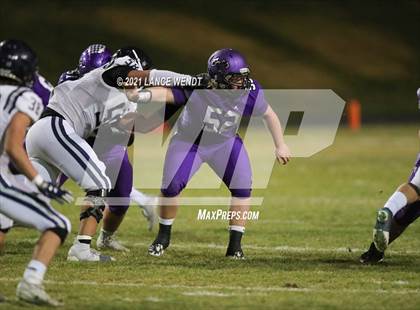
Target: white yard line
x=284, y=248
x=203, y=290
x=281, y=248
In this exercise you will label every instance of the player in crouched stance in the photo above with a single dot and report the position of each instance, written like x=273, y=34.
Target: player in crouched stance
x=76, y=110
x=401, y=209
x=207, y=133
x=19, y=201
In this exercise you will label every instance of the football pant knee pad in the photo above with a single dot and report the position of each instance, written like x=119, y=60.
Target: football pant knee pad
x=60, y=232
x=240, y=192
x=415, y=187
x=97, y=199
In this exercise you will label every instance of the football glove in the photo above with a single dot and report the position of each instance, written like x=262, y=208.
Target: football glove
x=206, y=82
x=51, y=191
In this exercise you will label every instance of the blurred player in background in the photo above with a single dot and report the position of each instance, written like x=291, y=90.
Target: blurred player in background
x=26, y=203
x=401, y=209
x=207, y=133
x=42, y=88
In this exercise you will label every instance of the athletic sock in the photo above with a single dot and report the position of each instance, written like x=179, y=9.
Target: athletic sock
x=34, y=272
x=235, y=237
x=396, y=202
x=166, y=222
x=84, y=241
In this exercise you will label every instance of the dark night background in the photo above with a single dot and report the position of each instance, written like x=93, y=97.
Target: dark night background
x=369, y=50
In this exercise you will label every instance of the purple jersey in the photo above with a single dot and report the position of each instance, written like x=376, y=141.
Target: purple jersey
x=42, y=88
x=216, y=114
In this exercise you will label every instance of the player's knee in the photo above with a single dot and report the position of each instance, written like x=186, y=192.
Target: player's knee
x=97, y=199
x=118, y=210
x=61, y=232
x=415, y=187
x=4, y=230
x=240, y=192
x=96, y=212
x=121, y=192
x=173, y=190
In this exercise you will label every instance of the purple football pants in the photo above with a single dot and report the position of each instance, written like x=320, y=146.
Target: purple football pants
x=411, y=212
x=229, y=160
x=122, y=179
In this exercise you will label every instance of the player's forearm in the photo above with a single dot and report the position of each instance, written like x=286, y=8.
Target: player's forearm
x=20, y=158
x=13, y=144
x=274, y=126
x=151, y=94
x=159, y=78
x=161, y=95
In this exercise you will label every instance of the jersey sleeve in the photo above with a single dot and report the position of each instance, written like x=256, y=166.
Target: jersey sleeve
x=257, y=97
x=30, y=104
x=42, y=88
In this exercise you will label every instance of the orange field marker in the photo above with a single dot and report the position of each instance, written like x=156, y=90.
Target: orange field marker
x=354, y=114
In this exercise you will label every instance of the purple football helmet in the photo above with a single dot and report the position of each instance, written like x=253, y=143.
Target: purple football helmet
x=95, y=56
x=229, y=69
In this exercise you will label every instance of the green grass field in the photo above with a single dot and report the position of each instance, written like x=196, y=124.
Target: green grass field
x=302, y=253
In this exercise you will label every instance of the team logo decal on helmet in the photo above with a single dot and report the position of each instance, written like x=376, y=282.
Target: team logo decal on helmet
x=229, y=69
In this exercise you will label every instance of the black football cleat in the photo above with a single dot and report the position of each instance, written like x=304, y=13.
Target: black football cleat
x=162, y=241
x=156, y=249
x=372, y=256
x=238, y=254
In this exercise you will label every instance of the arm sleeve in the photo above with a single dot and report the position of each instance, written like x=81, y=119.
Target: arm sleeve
x=111, y=75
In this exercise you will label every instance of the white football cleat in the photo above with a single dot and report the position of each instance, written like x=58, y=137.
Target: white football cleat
x=35, y=294
x=148, y=210
x=79, y=254
x=148, y=205
x=106, y=241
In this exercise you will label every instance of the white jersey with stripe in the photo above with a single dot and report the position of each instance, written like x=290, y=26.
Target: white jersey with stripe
x=88, y=102
x=15, y=99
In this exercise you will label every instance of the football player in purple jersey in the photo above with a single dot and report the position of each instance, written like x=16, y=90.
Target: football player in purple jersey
x=207, y=133
x=401, y=209
x=95, y=56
